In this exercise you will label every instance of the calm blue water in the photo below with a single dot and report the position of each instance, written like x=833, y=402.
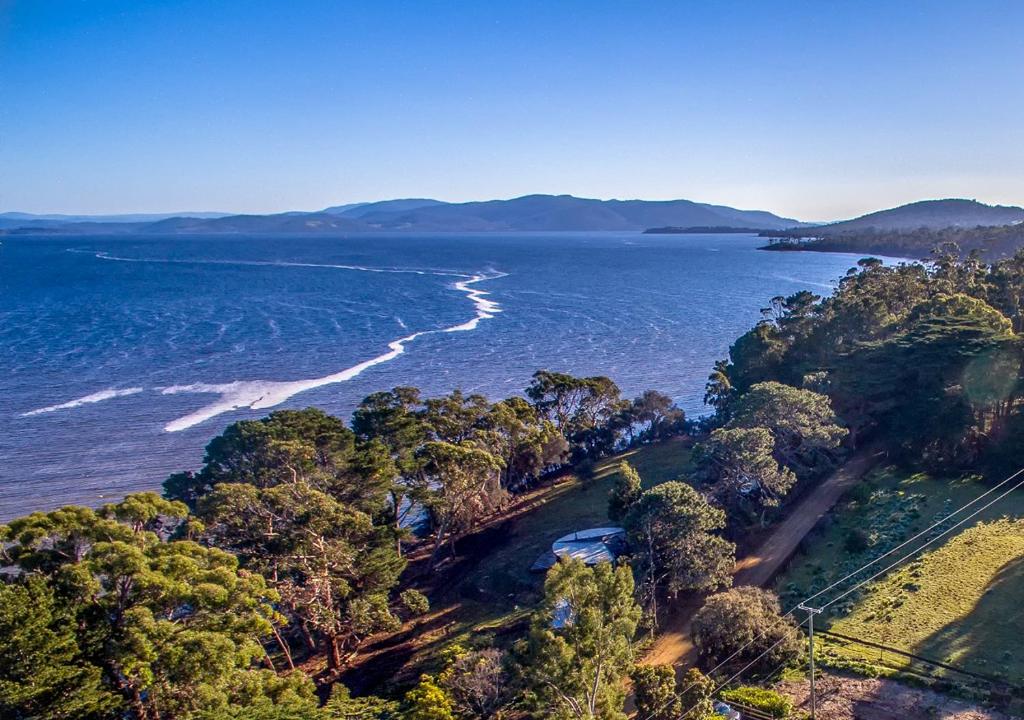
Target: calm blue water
x=124, y=356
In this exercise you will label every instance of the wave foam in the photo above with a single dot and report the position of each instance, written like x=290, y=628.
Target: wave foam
x=262, y=394
x=95, y=397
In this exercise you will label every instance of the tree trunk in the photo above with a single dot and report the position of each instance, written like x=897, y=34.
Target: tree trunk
x=396, y=502
x=283, y=644
x=439, y=539
x=334, y=653
x=138, y=706
x=310, y=642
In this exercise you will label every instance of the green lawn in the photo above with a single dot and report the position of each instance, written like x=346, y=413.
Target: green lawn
x=961, y=603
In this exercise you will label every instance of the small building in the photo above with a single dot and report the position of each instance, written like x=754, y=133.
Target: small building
x=603, y=544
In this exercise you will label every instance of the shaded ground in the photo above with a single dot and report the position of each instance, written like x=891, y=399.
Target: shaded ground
x=485, y=594
x=759, y=567
x=849, y=698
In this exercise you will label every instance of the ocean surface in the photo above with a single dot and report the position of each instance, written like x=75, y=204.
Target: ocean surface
x=124, y=356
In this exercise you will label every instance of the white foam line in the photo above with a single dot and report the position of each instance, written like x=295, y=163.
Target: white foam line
x=268, y=263
x=96, y=397
x=806, y=282
x=262, y=394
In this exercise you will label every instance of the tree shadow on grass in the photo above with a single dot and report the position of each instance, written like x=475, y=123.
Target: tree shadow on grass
x=989, y=640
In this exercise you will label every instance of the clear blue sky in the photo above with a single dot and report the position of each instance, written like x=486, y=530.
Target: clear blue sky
x=817, y=109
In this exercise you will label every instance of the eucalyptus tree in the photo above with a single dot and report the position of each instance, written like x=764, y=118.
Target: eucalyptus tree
x=580, y=648
x=674, y=542
x=625, y=492
x=394, y=418
x=739, y=465
x=173, y=627
x=806, y=430
x=743, y=628
x=465, y=487
x=526, y=443
x=336, y=570
x=583, y=409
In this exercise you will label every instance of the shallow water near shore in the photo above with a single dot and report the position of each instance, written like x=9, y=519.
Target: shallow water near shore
x=124, y=356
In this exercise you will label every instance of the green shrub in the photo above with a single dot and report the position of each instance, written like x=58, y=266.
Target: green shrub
x=856, y=541
x=767, y=701
x=859, y=493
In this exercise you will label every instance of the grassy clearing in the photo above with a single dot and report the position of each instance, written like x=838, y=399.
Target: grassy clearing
x=491, y=601
x=961, y=603
x=573, y=504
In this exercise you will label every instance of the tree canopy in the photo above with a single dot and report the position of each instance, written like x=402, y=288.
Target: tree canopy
x=580, y=647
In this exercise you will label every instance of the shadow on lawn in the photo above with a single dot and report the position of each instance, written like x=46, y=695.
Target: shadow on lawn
x=988, y=639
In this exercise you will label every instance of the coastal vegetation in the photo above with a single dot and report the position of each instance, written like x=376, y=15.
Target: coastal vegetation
x=991, y=243
x=914, y=230
x=306, y=549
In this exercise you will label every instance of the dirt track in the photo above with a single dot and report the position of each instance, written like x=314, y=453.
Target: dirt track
x=759, y=567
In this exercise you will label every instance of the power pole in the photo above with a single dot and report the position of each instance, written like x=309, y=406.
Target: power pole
x=811, y=612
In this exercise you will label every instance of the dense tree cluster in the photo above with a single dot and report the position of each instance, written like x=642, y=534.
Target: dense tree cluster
x=992, y=242
x=923, y=357
x=111, y=618
x=287, y=542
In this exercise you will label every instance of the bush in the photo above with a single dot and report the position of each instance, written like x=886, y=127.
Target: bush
x=654, y=690
x=742, y=627
x=586, y=470
x=859, y=493
x=767, y=701
x=415, y=602
x=856, y=541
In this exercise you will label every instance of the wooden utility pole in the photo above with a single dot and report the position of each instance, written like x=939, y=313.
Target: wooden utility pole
x=811, y=612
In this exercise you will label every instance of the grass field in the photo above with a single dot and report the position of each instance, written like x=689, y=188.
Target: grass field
x=573, y=505
x=491, y=599
x=961, y=602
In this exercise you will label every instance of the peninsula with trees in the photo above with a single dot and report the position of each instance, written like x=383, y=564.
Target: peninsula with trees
x=914, y=230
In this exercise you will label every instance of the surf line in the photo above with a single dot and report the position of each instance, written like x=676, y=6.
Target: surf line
x=95, y=397
x=263, y=394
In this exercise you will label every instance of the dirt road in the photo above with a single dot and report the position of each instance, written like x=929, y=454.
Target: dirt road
x=759, y=567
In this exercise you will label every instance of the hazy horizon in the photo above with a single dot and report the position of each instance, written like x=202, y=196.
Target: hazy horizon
x=370, y=202
x=808, y=111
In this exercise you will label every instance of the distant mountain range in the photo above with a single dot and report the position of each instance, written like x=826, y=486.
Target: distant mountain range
x=549, y=213
x=20, y=219
x=541, y=213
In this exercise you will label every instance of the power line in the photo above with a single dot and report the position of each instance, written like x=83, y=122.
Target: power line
x=915, y=537
x=864, y=567
x=929, y=542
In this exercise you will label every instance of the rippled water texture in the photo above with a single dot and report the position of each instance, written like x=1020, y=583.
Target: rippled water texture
x=124, y=355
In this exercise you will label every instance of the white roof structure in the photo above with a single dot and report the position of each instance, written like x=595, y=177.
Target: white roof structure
x=592, y=546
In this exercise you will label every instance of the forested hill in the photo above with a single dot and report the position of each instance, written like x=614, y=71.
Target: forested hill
x=933, y=214
x=915, y=230
x=992, y=243
x=529, y=213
